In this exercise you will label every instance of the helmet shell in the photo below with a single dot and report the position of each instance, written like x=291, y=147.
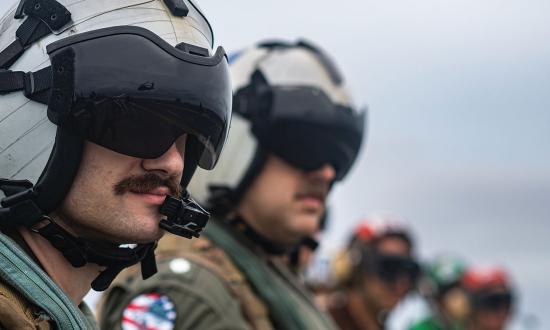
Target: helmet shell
x=380, y=225
x=26, y=134
x=346, y=263
x=480, y=278
x=446, y=270
x=281, y=65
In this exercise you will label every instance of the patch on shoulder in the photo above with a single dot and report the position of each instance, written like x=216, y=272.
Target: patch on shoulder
x=151, y=311
x=180, y=265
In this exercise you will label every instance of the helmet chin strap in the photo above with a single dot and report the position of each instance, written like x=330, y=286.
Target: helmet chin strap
x=26, y=204
x=79, y=251
x=20, y=208
x=184, y=218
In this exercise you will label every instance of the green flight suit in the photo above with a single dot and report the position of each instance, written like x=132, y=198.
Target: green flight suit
x=229, y=285
x=29, y=299
x=200, y=298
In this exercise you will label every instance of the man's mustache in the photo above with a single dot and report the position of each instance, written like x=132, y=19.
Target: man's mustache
x=145, y=183
x=317, y=190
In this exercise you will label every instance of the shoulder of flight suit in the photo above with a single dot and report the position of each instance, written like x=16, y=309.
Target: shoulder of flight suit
x=16, y=312
x=198, y=295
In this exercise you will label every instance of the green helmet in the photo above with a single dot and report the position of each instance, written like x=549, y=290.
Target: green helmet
x=444, y=272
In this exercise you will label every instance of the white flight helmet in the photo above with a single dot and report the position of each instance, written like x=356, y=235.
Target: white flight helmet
x=102, y=70
x=26, y=134
x=290, y=100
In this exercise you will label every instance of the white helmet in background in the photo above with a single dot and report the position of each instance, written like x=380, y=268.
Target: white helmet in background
x=130, y=75
x=290, y=100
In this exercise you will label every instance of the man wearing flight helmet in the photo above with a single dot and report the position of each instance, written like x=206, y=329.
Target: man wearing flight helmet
x=441, y=287
x=107, y=108
x=374, y=273
x=491, y=296
x=294, y=134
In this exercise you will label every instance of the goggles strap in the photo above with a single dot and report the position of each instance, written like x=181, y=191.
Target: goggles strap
x=44, y=16
x=36, y=85
x=11, y=81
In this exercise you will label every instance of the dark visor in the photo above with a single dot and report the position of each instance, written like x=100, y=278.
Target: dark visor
x=391, y=267
x=493, y=300
x=128, y=90
x=304, y=127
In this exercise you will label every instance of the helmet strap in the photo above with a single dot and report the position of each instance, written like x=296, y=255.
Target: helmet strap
x=79, y=252
x=26, y=205
x=43, y=17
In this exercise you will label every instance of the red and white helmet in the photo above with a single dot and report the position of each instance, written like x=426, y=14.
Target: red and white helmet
x=377, y=226
x=483, y=278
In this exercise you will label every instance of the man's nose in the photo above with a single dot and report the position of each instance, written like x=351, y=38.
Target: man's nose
x=402, y=285
x=326, y=173
x=170, y=163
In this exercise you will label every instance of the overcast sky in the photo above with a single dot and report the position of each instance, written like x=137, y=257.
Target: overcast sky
x=459, y=130
x=459, y=101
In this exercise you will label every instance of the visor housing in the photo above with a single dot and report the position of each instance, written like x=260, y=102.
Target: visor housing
x=303, y=126
x=128, y=90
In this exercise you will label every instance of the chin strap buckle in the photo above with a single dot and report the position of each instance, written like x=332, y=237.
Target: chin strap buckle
x=184, y=217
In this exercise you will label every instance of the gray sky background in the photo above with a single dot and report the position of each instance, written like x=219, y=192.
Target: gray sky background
x=459, y=98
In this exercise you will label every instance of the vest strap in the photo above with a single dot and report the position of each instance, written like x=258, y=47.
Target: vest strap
x=26, y=277
x=284, y=312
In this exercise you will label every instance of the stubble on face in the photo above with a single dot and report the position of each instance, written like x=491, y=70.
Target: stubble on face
x=283, y=203
x=105, y=201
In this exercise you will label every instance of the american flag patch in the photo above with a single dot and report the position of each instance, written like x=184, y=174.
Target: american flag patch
x=149, y=311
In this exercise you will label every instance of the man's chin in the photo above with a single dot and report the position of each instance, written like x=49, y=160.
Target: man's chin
x=297, y=235
x=143, y=237
x=306, y=224
x=149, y=237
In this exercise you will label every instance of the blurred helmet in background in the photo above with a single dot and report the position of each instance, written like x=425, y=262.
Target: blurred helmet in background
x=491, y=296
x=444, y=273
x=289, y=100
x=362, y=254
